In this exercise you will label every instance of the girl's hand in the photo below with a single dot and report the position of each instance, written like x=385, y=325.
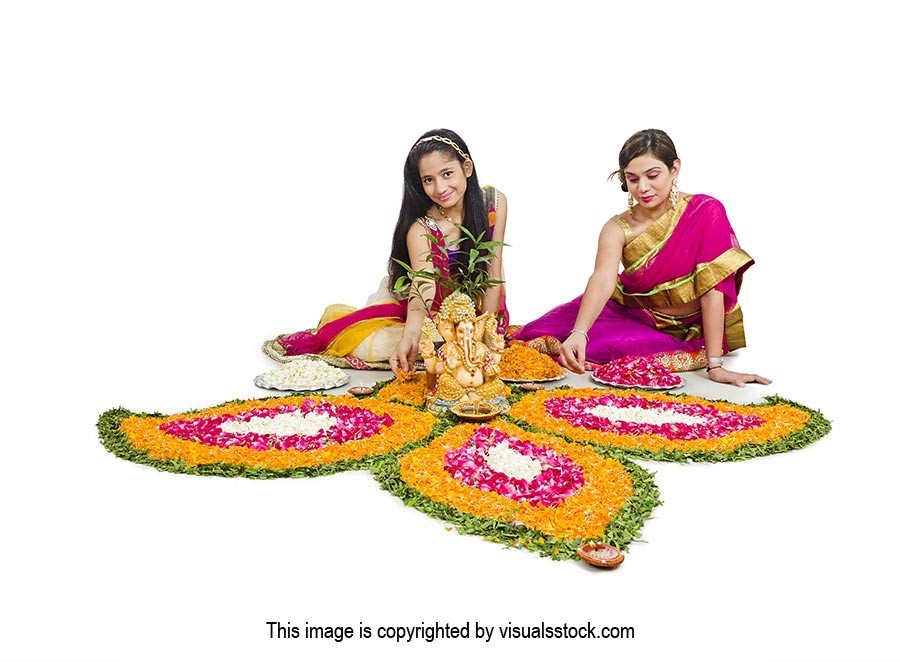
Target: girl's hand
x=723, y=376
x=572, y=352
x=404, y=356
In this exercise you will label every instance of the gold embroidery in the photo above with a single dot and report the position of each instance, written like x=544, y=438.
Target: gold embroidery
x=686, y=288
x=626, y=228
x=649, y=242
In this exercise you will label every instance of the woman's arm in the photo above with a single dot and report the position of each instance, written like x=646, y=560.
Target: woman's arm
x=491, y=301
x=712, y=312
x=421, y=295
x=599, y=288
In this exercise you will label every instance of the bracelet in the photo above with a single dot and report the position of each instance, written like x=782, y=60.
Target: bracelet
x=714, y=362
x=580, y=331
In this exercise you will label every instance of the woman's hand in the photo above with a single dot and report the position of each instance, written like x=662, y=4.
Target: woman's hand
x=404, y=356
x=723, y=376
x=572, y=352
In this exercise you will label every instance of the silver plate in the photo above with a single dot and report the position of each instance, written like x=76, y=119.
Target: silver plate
x=535, y=381
x=302, y=387
x=643, y=388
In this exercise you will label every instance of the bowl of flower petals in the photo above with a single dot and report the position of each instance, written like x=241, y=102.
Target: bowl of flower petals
x=474, y=411
x=360, y=391
x=302, y=375
x=636, y=372
x=520, y=363
x=601, y=555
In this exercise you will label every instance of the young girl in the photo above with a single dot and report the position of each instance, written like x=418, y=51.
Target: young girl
x=440, y=195
x=683, y=270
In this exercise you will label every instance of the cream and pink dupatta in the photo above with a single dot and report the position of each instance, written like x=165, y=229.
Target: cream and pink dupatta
x=342, y=328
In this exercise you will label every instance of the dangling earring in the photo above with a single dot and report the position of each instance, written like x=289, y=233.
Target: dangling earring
x=630, y=202
x=673, y=194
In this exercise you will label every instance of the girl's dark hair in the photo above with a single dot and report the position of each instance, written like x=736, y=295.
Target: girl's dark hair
x=416, y=202
x=649, y=141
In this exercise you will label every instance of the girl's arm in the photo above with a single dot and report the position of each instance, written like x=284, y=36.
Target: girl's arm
x=491, y=301
x=712, y=312
x=404, y=355
x=599, y=288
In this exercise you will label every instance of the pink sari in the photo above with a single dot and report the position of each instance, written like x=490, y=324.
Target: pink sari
x=688, y=251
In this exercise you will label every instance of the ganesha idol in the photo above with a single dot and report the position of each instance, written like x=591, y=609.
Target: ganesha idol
x=465, y=369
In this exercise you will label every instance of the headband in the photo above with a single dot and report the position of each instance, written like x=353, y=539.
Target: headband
x=446, y=141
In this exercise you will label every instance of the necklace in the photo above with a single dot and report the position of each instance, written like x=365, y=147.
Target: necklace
x=448, y=218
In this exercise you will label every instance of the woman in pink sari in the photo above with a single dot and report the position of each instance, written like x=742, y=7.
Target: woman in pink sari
x=441, y=195
x=682, y=274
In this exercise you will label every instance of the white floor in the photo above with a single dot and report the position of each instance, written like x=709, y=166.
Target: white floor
x=182, y=180
x=109, y=553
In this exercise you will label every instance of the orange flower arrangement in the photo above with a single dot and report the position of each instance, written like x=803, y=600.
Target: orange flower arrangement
x=409, y=389
x=412, y=390
x=408, y=425
x=521, y=362
x=585, y=514
x=405, y=376
x=779, y=420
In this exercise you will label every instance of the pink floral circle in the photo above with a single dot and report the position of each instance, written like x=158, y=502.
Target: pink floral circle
x=559, y=478
x=715, y=422
x=354, y=423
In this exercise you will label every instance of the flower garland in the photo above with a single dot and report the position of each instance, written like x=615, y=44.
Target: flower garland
x=282, y=436
x=667, y=427
x=576, y=495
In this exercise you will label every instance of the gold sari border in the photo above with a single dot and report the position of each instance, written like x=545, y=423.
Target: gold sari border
x=649, y=242
x=685, y=328
x=734, y=328
x=687, y=288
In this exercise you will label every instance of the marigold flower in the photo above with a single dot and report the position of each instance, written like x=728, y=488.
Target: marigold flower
x=656, y=422
x=364, y=429
x=438, y=471
x=521, y=362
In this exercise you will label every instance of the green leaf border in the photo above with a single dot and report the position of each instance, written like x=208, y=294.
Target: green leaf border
x=116, y=442
x=815, y=428
x=622, y=530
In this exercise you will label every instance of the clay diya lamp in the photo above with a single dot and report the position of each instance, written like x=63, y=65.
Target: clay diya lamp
x=474, y=412
x=601, y=555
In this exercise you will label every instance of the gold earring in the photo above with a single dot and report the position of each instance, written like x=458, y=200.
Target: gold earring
x=673, y=194
x=630, y=202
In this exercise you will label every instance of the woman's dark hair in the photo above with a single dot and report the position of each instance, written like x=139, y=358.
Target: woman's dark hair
x=649, y=141
x=416, y=202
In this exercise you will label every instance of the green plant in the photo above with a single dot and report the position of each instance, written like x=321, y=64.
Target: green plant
x=467, y=274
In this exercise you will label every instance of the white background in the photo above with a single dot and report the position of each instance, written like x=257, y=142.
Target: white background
x=181, y=180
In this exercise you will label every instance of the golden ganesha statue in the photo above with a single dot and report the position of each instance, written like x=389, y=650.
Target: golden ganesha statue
x=466, y=367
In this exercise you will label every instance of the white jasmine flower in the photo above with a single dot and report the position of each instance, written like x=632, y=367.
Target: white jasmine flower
x=500, y=457
x=654, y=416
